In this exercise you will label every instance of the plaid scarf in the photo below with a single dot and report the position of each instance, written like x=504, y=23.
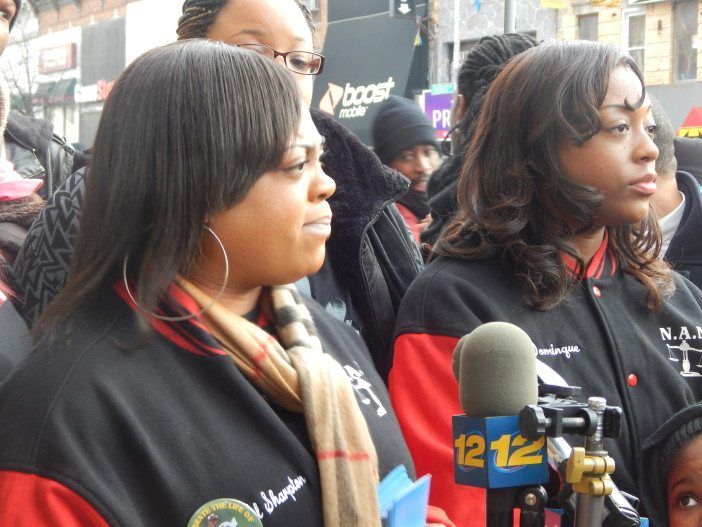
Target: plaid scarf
x=300, y=377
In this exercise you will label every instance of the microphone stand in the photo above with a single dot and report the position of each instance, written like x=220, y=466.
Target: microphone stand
x=588, y=472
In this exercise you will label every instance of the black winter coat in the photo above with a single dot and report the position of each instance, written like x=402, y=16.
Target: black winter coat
x=99, y=435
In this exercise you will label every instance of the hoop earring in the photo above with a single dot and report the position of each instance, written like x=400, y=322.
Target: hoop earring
x=193, y=315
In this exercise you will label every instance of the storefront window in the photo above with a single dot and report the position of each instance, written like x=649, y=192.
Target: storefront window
x=685, y=40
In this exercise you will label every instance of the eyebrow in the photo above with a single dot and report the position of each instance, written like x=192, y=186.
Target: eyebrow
x=625, y=107
x=308, y=146
x=686, y=479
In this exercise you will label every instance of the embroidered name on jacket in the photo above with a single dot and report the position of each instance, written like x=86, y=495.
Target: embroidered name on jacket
x=553, y=351
x=272, y=500
x=684, y=347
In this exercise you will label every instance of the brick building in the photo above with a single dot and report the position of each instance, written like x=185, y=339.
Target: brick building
x=64, y=55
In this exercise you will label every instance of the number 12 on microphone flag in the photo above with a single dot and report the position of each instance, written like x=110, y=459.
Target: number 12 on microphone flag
x=491, y=453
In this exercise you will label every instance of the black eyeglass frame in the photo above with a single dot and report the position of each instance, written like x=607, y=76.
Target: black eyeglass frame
x=285, y=54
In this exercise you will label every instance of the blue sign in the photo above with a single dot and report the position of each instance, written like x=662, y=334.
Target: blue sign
x=491, y=453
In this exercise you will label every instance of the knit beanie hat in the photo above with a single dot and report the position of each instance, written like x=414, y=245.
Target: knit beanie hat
x=657, y=455
x=18, y=4
x=400, y=125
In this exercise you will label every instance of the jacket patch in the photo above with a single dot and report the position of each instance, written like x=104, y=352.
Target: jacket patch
x=684, y=341
x=364, y=389
x=224, y=512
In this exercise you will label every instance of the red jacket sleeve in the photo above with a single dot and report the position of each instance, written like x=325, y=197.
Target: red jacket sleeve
x=28, y=499
x=424, y=394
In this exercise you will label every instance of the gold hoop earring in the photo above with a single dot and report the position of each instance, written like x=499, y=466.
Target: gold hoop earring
x=193, y=315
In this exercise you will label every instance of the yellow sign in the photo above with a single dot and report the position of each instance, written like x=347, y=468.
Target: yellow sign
x=691, y=131
x=553, y=4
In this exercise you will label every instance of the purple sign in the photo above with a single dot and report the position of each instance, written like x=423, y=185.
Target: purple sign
x=438, y=109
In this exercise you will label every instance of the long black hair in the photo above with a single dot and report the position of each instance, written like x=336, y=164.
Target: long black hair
x=511, y=180
x=186, y=131
x=481, y=66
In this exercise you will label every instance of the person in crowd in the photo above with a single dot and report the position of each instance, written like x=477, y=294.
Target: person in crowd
x=372, y=258
x=176, y=367
x=33, y=149
x=478, y=70
x=688, y=152
x=677, y=203
x=405, y=140
x=19, y=204
x=555, y=234
x=671, y=462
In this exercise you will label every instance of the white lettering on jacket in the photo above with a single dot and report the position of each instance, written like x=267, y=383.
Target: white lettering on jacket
x=273, y=500
x=553, y=351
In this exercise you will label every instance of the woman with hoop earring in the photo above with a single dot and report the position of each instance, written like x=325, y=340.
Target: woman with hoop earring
x=177, y=373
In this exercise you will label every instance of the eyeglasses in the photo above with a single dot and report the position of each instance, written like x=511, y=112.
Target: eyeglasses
x=302, y=62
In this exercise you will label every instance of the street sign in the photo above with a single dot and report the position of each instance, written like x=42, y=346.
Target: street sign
x=437, y=108
x=402, y=8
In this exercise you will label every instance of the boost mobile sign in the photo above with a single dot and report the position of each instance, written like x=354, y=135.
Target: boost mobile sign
x=370, y=56
x=354, y=100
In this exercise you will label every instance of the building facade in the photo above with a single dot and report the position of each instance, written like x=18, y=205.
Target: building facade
x=663, y=36
x=478, y=19
x=64, y=56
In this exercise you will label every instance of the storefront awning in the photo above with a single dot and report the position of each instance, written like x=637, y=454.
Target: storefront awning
x=369, y=56
x=55, y=92
x=692, y=125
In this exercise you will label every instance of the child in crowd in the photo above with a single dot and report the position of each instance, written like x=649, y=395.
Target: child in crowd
x=671, y=486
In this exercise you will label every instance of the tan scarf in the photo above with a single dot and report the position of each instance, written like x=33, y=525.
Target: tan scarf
x=300, y=377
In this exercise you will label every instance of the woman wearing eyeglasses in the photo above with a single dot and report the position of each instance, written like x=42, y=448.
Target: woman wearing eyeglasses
x=371, y=257
x=177, y=375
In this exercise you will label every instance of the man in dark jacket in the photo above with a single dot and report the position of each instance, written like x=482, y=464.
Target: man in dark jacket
x=677, y=202
x=35, y=151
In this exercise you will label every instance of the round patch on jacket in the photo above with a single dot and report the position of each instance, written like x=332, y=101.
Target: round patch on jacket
x=225, y=512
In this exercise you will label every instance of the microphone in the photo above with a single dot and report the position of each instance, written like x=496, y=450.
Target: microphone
x=495, y=366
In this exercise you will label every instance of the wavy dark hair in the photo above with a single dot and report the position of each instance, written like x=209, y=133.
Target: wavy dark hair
x=546, y=96
x=185, y=133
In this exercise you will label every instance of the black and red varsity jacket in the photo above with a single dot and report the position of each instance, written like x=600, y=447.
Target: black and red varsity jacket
x=95, y=431
x=602, y=338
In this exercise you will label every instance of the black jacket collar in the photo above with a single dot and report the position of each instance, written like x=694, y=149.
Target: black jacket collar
x=29, y=132
x=364, y=186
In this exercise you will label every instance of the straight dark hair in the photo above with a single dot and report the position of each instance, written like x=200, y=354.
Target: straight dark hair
x=511, y=181
x=185, y=133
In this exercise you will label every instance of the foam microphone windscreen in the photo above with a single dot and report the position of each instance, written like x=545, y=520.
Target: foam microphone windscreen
x=495, y=367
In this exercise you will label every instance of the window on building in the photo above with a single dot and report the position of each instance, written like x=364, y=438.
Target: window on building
x=634, y=36
x=587, y=27
x=686, y=41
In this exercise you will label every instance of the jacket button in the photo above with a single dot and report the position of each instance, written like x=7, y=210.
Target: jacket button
x=632, y=380
x=596, y=291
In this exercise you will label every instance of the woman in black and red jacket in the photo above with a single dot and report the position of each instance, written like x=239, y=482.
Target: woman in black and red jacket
x=555, y=235
x=176, y=378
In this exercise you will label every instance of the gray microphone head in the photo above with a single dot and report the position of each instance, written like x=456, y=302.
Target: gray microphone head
x=495, y=366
